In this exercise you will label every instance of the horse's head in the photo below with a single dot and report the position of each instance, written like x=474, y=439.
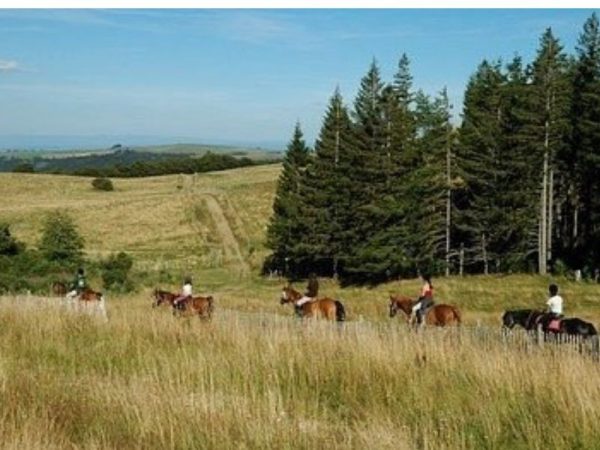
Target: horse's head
x=157, y=298
x=400, y=303
x=289, y=295
x=508, y=321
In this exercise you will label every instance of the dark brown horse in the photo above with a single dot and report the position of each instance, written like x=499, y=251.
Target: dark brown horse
x=326, y=308
x=438, y=315
x=190, y=306
x=163, y=298
x=59, y=289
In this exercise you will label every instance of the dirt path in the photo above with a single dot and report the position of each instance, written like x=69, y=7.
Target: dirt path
x=230, y=243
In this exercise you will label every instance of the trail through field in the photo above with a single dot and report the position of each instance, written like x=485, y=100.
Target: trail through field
x=227, y=238
x=230, y=243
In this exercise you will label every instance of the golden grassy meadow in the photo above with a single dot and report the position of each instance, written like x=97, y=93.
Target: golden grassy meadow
x=254, y=377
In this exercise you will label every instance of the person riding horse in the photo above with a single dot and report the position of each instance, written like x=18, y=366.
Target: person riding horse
x=78, y=285
x=186, y=292
x=312, y=291
x=425, y=300
x=551, y=320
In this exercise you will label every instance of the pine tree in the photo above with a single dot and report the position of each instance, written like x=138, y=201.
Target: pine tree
x=370, y=179
x=328, y=193
x=585, y=159
x=284, y=230
x=479, y=216
x=547, y=128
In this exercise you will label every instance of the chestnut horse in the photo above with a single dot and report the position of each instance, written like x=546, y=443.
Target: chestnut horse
x=439, y=315
x=325, y=307
x=163, y=298
x=91, y=301
x=190, y=306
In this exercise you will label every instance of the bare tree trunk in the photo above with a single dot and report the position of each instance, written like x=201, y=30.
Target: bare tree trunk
x=448, y=205
x=484, y=252
x=550, y=214
x=461, y=259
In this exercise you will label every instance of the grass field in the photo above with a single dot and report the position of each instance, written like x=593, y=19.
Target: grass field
x=147, y=380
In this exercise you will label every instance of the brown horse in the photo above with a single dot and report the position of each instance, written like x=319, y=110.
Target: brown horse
x=59, y=289
x=191, y=306
x=88, y=295
x=325, y=307
x=91, y=302
x=439, y=315
x=163, y=298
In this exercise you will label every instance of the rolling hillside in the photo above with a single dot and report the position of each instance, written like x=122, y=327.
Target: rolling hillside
x=213, y=220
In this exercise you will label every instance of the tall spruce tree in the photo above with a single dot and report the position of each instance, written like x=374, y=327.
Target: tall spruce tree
x=370, y=178
x=585, y=157
x=328, y=193
x=479, y=217
x=285, y=230
x=547, y=128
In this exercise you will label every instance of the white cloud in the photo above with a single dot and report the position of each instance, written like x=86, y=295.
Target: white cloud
x=7, y=65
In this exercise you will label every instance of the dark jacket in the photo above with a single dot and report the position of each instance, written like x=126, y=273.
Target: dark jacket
x=79, y=283
x=312, y=290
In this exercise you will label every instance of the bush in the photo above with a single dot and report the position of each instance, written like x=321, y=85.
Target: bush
x=60, y=239
x=115, y=272
x=103, y=184
x=8, y=244
x=24, y=168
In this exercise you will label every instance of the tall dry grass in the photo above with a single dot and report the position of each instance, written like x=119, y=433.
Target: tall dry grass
x=148, y=380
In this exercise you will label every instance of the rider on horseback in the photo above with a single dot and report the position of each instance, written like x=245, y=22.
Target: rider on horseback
x=425, y=299
x=312, y=290
x=186, y=292
x=555, y=307
x=78, y=285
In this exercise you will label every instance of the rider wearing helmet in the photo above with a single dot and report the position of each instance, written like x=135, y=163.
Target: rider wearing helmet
x=78, y=285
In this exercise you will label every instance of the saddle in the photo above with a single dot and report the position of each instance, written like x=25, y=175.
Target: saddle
x=554, y=325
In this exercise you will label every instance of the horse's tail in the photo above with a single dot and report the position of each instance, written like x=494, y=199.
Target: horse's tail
x=456, y=314
x=340, y=311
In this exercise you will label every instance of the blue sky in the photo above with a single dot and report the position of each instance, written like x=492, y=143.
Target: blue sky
x=90, y=77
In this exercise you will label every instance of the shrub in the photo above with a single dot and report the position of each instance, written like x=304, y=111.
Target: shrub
x=24, y=168
x=115, y=272
x=103, y=184
x=60, y=239
x=8, y=244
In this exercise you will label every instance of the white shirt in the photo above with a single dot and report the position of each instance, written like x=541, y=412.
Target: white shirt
x=555, y=304
x=187, y=290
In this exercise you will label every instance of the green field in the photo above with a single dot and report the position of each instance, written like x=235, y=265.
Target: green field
x=254, y=377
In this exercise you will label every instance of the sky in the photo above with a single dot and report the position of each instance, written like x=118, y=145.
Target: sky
x=92, y=78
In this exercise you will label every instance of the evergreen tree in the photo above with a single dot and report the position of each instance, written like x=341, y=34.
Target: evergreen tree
x=284, y=230
x=584, y=161
x=328, y=193
x=547, y=129
x=479, y=154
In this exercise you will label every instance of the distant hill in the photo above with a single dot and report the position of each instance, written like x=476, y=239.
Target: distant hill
x=120, y=161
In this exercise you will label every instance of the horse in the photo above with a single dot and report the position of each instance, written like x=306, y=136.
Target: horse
x=90, y=301
x=189, y=306
x=438, y=315
x=526, y=318
x=59, y=289
x=325, y=307
x=571, y=326
x=163, y=297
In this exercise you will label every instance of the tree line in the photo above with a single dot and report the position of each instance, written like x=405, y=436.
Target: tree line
x=392, y=187
x=128, y=163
